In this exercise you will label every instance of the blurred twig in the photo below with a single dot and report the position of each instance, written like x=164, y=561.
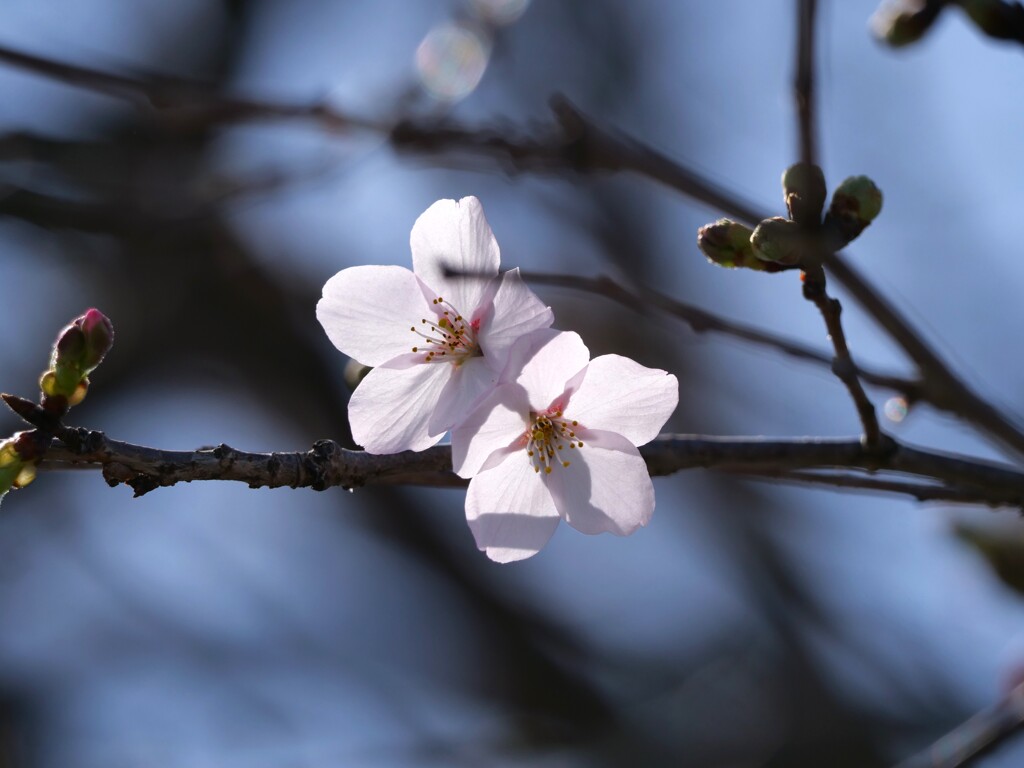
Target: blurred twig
x=803, y=83
x=641, y=298
x=975, y=737
x=858, y=482
x=183, y=103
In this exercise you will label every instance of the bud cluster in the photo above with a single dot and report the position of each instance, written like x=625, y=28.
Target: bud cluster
x=777, y=243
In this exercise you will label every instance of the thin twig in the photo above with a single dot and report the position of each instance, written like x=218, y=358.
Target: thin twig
x=975, y=737
x=803, y=84
x=184, y=103
x=640, y=298
x=842, y=365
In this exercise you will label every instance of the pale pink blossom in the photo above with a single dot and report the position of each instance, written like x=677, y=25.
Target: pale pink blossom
x=560, y=442
x=437, y=344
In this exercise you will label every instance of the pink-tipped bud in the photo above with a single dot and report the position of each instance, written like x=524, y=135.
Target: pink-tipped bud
x=99, y=336
x=80, y=347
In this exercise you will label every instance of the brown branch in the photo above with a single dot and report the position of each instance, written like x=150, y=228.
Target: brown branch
x=803, y=83
x=975, y=737
x=327, y=464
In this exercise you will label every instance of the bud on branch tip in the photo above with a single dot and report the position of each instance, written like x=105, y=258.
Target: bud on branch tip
x=727, y=244
x=855, y=204
x=804, y=192
x=79, y=349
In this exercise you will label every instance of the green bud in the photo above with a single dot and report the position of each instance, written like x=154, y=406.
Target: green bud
x=803, y=189
x=855, y=204
x=778, y=240
x=79, y=348
x=902, y=22
x=727, y=244
x=15, y=472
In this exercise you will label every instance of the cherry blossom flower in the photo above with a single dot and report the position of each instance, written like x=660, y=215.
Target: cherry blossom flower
x=437, y=344
x=560, y=442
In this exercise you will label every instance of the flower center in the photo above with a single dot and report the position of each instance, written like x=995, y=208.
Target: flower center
x=546, y=438
x=447, y=339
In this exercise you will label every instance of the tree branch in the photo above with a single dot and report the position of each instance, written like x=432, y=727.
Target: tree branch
x=842, y=364
x=327, y=464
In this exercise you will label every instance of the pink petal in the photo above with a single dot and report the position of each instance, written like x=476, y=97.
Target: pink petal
x=391, y=408
x=497, y=423
x=620, y=395
x=517, y=312
x=510, y=512
x=467, y=385
x=368, y=312
x=603, y=488
x=550, y=363
x=456, y=236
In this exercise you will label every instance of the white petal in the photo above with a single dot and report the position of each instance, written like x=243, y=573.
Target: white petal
x=456, y=236
x=390, y=409
x=517, y=312
x=468, y=384
x=620, y=395
x=509, y=511
x=368, y=312
x=550, y=366
x=497, y=423
x=603, y=488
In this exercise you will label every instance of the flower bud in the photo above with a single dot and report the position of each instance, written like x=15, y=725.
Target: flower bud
x=727, y=244
x=803, y=189
x=79, y=348
x=855, y=204
x=902, y=22
x=778, y=240
x=15, y=472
